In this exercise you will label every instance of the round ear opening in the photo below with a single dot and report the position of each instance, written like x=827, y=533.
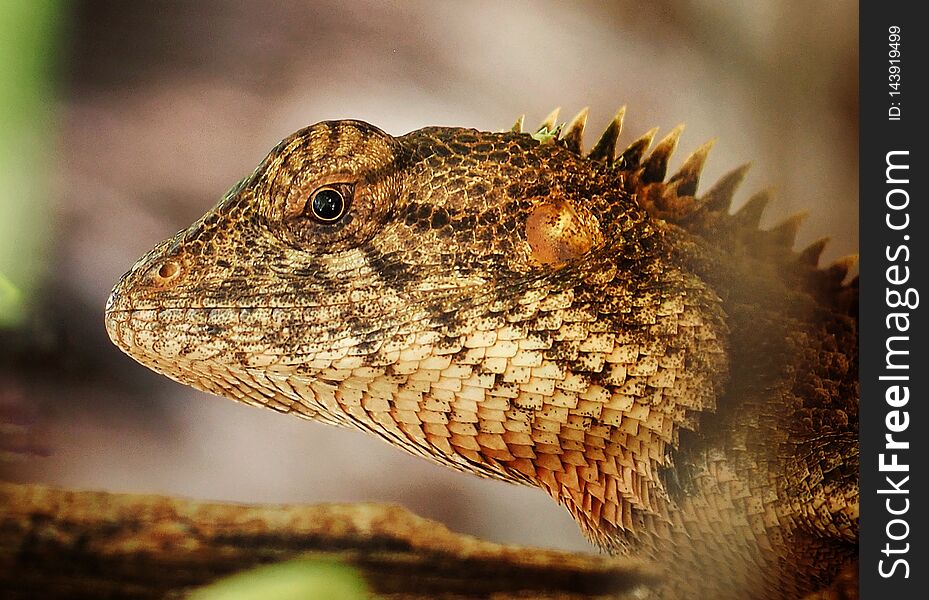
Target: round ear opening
x=556, y=234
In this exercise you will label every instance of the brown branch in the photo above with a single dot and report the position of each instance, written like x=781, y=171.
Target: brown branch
x=63, y=543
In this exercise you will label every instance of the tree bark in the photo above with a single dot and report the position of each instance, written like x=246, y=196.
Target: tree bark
x=58, y=543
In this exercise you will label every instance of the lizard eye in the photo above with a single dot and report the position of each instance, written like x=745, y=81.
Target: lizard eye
x=329, y=204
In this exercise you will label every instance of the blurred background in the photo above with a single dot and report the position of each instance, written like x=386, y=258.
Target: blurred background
x=122, y=122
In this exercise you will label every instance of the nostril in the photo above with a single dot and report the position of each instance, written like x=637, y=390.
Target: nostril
x=167, y=272
x=111, y=300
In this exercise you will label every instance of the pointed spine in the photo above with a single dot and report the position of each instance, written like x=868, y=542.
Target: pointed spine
x=838, y=271
x=631, y=156
x=605, y=148
x=719, y=198
x=518, y=125
x=749, y=215
x=656, y=165
x=810, y=255
x=548, y=124
x=689, y=173
x=785, y=232
x=573, y=136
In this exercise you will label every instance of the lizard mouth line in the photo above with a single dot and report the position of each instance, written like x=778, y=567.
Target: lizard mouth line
x=221, y=307
x=187, y=308
x=118, y=311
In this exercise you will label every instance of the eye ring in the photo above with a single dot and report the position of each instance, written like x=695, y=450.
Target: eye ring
x=327, y=205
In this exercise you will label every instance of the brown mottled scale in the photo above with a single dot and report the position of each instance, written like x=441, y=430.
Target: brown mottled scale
x=681, y=381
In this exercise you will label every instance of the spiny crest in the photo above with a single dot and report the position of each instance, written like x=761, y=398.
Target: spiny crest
x=675, y=200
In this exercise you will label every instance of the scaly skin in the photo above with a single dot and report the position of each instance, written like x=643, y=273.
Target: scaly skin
x=682, y=382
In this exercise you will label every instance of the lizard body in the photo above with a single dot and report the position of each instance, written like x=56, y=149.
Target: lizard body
x=500, y=303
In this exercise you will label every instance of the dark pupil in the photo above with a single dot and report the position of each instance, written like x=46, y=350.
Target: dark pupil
x=328, y=205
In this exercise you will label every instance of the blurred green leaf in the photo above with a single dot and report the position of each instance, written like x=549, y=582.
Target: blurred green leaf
x=29, y=37
x=302, y=579
x=12, y=310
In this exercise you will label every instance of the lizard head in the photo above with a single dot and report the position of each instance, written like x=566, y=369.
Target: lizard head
x=496, y=302
x=347, y=236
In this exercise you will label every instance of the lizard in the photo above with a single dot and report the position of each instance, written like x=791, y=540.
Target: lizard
x=509, y=305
